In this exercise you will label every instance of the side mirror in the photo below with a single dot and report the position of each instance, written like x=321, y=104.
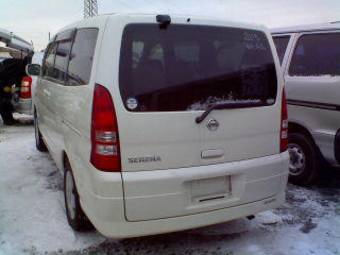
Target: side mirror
x=33, y=69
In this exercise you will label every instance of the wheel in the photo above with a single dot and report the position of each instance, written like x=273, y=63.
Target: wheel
x=39, y=142
x=74, y=213
x=304, y=160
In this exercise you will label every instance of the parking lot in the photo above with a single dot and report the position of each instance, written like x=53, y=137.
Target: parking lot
x=33, y=219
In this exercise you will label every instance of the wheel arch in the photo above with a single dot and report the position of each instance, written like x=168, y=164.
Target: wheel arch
x=294, y=127
x=66, y=158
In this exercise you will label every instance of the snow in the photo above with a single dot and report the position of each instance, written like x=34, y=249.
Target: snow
x=197, y=106
x=32, y=218
x=31, y=200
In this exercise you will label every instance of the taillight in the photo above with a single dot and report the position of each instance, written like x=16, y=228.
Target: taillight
x=105, y=153
x=25, y=90
x=284, y=124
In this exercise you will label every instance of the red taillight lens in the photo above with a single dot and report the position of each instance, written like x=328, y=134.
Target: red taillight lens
x=105, y=154
x=284, y=124
x=25, y=90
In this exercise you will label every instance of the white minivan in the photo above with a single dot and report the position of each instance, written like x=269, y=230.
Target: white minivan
x=310, y=57
x=163, y=123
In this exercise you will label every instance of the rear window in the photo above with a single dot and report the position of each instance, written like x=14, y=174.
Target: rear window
x=281, y=43
x=316, y=55
x=185, y=68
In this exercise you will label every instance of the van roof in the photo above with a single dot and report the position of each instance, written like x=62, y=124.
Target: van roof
x=307, y=28
x=208, y=19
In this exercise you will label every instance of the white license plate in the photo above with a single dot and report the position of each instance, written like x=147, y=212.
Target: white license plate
x=210, y=189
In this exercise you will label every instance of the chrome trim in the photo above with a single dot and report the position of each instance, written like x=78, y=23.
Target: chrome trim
x=331, y=107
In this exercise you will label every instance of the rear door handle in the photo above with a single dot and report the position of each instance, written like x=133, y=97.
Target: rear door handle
x=208, y=154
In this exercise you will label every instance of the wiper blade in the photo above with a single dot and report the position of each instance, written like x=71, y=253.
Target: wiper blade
x=229, y=105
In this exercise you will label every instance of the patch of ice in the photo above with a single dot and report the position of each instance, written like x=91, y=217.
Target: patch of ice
x=268, y=218
x=31, y=212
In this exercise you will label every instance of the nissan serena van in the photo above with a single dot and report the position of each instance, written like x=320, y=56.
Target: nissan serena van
x=310, y=57
x=162, y=123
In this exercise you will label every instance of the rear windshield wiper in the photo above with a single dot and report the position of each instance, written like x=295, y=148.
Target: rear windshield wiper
x=229, y=105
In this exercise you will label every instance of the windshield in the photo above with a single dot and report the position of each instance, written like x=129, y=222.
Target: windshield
x=187, y=67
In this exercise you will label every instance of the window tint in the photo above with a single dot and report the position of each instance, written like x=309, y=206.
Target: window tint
x=187, y=68
x=316, y=55
x=49, y=60
x=61, y=60
x=281, y=43
x=137, y=51
x=81, y=58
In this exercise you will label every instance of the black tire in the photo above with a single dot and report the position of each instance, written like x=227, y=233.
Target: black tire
x=75, y=216
x=6, y=112
x=308, y=174
x=7, y=117
x=39, y=142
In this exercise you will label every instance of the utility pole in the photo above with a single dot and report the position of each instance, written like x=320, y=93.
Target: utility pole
x=90, y=8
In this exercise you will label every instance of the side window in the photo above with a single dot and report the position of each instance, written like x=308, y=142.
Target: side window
x=61, y=60
x=281, y=43
x=49, y=60
x=81, y=57
x=316, y=55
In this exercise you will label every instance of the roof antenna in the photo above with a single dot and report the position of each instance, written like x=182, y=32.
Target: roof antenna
x=163, y=20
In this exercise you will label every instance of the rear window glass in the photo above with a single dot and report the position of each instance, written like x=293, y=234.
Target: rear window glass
x=184, y=68
x=316, y=55
x=281, y=43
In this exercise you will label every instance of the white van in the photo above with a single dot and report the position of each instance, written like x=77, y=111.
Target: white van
x=310, y=57
x=163, y=123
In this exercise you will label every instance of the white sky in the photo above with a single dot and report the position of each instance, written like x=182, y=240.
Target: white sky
x=33, y=19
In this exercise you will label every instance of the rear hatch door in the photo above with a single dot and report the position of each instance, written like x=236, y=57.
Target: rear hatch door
x=170, y=77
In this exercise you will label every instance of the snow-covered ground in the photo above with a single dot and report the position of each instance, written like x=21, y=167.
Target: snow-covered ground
x=32, y=219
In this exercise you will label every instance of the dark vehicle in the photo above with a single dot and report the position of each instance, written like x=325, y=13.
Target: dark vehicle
x=12, y=72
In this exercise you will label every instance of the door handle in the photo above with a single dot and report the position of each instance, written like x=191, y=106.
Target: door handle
x=209, y=154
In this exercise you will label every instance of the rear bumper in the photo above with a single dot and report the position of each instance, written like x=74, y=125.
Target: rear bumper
x=123, y=229
x=259, y=185
x=24, y=106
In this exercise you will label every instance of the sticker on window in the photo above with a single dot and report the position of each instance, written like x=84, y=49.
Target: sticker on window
x=132, y=103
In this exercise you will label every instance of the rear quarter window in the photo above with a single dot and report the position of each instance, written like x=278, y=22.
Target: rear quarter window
x=81, y=57
x=316, y=55
x=61, y=60
x=48, y=66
